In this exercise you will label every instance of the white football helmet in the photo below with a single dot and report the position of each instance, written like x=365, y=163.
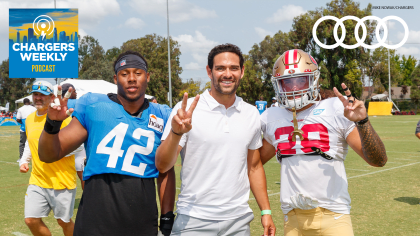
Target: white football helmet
x=295, y=79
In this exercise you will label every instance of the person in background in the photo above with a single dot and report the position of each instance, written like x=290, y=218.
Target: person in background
x=274, y=102
x=261, y=105
x=80, y=156
x=418, y=130
x=153, y=99
x=52, y=186
x=22, y=113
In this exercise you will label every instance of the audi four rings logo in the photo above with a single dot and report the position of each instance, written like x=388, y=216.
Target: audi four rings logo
x=360, y=41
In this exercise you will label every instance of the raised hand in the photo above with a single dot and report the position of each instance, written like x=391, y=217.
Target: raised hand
x=181, y=122
x=354, y=109
x=58, y=108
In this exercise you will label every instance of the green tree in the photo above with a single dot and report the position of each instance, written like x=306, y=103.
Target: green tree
x=86, y=45
x=415, y=88
x=112, y=54
x=191, y=87
x=93, y=62
x=407, y=66
x=155, y=49
x=12, y=89
x=251, y=86
x=262, y=57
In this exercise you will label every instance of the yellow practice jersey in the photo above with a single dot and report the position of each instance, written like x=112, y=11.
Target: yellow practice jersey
x=57, y=175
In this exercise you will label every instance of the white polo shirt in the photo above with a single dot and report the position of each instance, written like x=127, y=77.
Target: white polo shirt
x=214, y=174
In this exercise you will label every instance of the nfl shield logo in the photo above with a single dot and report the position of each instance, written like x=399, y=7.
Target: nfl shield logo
x=122, y=63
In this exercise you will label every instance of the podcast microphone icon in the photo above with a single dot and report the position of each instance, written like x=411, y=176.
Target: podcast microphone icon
x=41, y=22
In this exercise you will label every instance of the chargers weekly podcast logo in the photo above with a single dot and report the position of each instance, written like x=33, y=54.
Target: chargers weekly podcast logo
x=43, y=43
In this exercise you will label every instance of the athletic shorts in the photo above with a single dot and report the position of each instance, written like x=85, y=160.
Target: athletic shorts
x=114, y=204
x=40, y=201
x=185, y=225
x=316, y=222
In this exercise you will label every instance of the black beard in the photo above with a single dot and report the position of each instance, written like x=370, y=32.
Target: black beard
x=218, y=89
x=122, y=93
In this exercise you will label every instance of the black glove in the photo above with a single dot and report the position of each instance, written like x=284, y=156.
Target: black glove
x=166, y=223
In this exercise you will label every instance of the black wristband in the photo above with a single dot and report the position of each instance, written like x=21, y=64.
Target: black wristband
x=52, y=126
x=362, y=122
x=166, y=223
x=176, y=133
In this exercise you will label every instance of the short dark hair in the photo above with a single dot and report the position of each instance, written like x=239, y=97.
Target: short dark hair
x=224, y=48
x=129, y=53
x=26, y=101
x=65, y=87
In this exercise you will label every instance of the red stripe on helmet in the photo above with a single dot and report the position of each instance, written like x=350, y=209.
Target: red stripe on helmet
x=286, y=61
x=295, y=58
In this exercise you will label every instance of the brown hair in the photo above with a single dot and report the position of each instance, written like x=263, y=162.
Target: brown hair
x=326, y=93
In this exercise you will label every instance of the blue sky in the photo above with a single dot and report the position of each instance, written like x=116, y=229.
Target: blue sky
x=200, y=25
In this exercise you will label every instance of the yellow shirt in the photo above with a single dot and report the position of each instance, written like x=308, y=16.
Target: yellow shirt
x=57, y=175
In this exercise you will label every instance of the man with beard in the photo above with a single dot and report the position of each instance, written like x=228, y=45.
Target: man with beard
x=51, y=186
x=121, y=133
x=218, y=164
x=310, y=138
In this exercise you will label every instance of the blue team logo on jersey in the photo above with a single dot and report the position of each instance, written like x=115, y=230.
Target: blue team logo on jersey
x=318, y=111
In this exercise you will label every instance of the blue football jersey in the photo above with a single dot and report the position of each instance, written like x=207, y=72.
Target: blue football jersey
x=261, y=106
x=71, y=103
x=117, y=142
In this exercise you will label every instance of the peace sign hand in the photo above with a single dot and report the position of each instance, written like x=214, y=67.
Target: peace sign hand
x=181, y=122
x=58, y=109
x=354, y=109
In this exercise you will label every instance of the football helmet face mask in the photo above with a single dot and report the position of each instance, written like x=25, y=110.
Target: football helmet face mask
x=295, y=79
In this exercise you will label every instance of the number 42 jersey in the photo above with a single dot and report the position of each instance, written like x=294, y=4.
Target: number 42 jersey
x=325, y=127
x=117, y=142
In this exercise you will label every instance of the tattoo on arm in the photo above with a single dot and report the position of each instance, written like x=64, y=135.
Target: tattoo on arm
x=372, y=146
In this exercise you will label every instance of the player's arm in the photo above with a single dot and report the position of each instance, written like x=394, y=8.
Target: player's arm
x=167, y=151
x=371, y=147
x=418, y=135
x=53, y=147
x=418, y=130
x=19, y=117
x=258, y=183
x=26, y=159
x=166, y=188
x=267, y=151
x=54, y=143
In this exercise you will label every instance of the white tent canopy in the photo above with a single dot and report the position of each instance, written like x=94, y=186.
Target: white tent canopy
x=86, y=86
x=380, y=96
x=3, y=108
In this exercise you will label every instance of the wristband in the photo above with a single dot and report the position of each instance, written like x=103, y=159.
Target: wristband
x=265, y=212
x=166, y=223
x=52, y=126
x=362, y=122
x=176, y=133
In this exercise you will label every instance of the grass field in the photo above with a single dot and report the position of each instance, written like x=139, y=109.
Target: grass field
x=385, y=201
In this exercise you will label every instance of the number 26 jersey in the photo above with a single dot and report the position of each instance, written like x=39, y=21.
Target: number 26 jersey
x=117, y=142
